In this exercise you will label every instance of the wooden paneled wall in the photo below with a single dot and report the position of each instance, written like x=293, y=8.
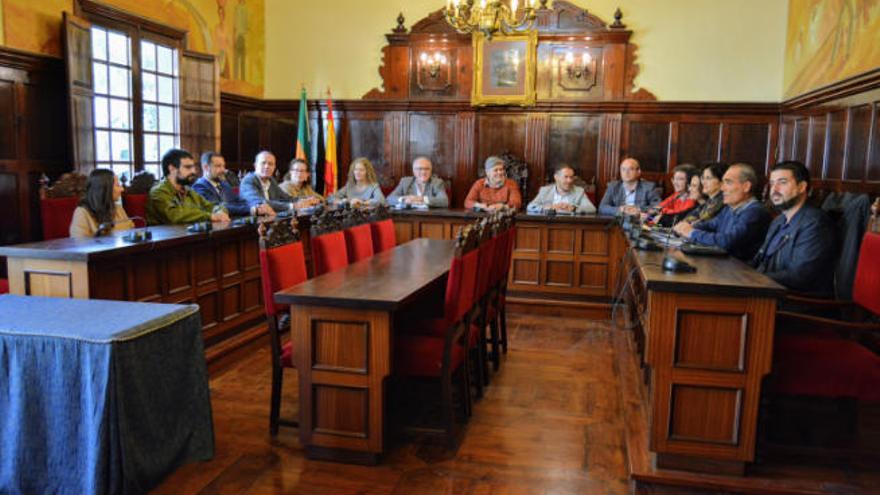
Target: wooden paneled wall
x=592, y=137
x=836, y=132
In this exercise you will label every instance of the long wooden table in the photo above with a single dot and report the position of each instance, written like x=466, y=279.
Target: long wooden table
x=706, y=340
x=342, y=332
x=218, y=270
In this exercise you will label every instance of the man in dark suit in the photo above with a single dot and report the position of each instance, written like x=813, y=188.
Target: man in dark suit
x=740, y=227
x=259, y=188
x=212, y=186
x=798, y=251
x=630, y=194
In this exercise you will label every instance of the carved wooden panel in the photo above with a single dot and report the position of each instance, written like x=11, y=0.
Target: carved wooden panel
x=340, y=346
x=816, y=156
x=497, y=133
x=836, y=144
x=564, y=74
x=432, y=230
x=714, y=341
x=208, y=309
x=177, y=272
x=705, y=414
x=574, y=139
x=594, y=276
x=231, y=302
x=786, y=140
x=250, y=255
x=229, y=258
x=857, y=142
x=148, y=275
x=253, y=295
x=697, y=142
x=528, y=239
x=560, y=240
x=282, y=139
x=205, y=270
x=10, y=225
x=8, y=136
x=341, y=411
x=365, y=137
x=432, y=135
x=48, y=283
x=403, y=231
x=648, y=142
x=525, y=272
x=229, y=140
x=874, y=158
x=249, y=140
x=111, y=283
x=559, y=273
x=594, y=242
x=748, y=143
x=801, y=139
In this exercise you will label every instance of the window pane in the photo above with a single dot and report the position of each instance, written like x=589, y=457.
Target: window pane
x=119, y=114
x=165, y=144
x=102, y=146
x=99, y=44
x=101, y=112
x=119, y=81
x=148, y=55
x=122, y=169
x=121, y=147
x=164, y=59
x=166, y=119
x=100, y=75
x=151, y=148
x=154, y=169
x=151, y=118
x=118, y=44
x=166, y=90
x=149, y=87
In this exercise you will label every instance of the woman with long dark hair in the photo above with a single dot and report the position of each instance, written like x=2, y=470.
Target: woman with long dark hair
x=100, y=205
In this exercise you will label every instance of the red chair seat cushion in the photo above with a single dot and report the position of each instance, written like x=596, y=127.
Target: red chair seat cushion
x=416, y=355
x=827, y=367
x=4, y=286
x=287, y=355
x=56, y=214
x=281, y=267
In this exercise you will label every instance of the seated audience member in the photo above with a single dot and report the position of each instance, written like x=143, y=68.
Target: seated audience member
x=630, y=194
x=172, y=201
x=214, y=187
x=495, y=190
x=260, y=187
x=798, y=251
x=740, y=227
x=677, y=204
x=296, y=185
x=100, y=209
x=562, y=196
x=420, y=189
x=713, y=199
x=361, y=187
x=695, y=190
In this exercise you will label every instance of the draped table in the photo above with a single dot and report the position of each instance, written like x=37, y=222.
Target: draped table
x=99, y=396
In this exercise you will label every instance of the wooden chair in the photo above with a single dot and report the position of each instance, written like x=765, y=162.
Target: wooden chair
x=497, y=316
x=438, y=348
x=282, y=265
x=58, y=202
x=328, y=246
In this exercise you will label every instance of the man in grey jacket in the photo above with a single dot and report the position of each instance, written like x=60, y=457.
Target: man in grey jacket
x=421, y=189
x=629, y=195
x=562, y=196
x=260, y=189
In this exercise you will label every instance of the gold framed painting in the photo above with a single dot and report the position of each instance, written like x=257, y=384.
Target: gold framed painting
x=504, y=69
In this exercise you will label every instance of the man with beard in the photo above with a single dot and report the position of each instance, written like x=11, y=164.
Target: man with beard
x=172, y=201
x=798, y=251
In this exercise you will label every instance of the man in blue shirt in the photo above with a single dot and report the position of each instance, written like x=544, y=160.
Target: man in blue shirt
x=799, y=249
x=212, y=186
x=740, y=227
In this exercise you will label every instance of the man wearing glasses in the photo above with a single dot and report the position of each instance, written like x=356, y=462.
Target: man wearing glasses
x=421, y=190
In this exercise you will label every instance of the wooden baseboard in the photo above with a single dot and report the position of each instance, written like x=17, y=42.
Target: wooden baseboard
x=229, y=351
x=549, y=306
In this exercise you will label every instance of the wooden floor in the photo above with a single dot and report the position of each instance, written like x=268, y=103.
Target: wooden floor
x=551, y=422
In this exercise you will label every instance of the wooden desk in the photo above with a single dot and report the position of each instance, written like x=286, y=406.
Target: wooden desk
x=218, y=270
x=708, y=342
x=342, y=332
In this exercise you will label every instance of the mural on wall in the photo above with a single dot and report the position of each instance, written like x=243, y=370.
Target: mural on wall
x=830, y=40
x=232, y=30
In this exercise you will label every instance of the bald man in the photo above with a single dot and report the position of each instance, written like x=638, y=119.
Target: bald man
x=630, y=194
x=260, y=189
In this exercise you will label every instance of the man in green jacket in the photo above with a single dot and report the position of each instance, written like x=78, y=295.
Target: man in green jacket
x=172, y=201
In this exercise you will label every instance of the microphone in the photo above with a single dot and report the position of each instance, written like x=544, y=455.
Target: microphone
x=133, y=235
x=106, y=227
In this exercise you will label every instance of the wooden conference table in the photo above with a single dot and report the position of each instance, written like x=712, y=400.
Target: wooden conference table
x=342, y=332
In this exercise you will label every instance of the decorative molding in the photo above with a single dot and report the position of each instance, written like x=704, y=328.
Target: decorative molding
x=856, y=85
x=33, y=62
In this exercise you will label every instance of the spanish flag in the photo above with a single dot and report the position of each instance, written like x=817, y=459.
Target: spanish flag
x=330, y=160
x=303, y=148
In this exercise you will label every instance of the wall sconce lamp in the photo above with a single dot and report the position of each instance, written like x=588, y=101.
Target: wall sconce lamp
x=432, y=63
x=577, y=69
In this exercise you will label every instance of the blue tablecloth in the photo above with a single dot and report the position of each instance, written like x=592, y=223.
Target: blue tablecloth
x=99, y=396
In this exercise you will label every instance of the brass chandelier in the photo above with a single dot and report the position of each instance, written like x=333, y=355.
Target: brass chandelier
x=490, y=17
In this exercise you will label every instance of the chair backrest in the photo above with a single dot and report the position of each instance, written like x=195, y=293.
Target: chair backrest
x=56, y=214
x=359, y=242
x=866, y=287
x=135, y=205
x=329, y=252
x=384, y=237
x=4, y=286
x=282, y=262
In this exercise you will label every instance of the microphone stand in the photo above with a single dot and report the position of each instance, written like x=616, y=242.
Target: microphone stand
x=671, y=263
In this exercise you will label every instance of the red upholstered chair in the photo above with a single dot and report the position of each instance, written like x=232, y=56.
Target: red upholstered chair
x=487, y=255
x=56, y=214
x=282, y=265
x=135, y=205
x=359, y=242
x=4, y=286
x=438, y=348
x=329, y=252
x=384, y=237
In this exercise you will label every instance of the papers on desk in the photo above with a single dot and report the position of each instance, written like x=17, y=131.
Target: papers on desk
x=666, y=239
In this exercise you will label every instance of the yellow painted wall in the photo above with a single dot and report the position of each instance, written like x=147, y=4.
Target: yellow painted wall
x=830, y=40
x=689, y=50
x=236, y=40
x=2, y=34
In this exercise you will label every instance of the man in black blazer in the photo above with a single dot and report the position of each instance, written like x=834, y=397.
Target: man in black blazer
x=798, y=251
x=630, y=194
x=212, y=185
